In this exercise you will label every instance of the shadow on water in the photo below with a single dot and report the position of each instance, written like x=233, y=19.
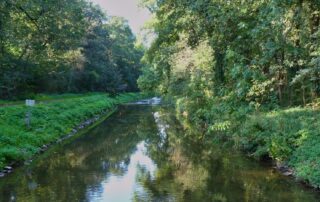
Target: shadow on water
x=142, y=154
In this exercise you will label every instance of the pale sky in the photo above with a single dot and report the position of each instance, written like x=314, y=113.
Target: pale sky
x=128, y=9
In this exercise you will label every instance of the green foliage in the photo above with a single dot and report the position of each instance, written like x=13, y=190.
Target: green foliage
x=49, y=122
x=222, y=126
x=260, y=51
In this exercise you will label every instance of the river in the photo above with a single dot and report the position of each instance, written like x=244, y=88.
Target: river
x=142, y=153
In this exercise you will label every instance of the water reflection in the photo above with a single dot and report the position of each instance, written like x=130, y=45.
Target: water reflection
x=135, y=156
x=121, y=187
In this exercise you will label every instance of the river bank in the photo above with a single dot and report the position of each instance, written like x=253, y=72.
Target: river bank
x=290, y=137
x=50, y=123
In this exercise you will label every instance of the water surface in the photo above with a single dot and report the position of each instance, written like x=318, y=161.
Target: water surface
x=143, y=154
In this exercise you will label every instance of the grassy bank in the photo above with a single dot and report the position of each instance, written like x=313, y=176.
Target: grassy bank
x=49, y=122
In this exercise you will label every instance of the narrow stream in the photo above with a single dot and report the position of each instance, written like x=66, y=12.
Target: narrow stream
x=142, y=154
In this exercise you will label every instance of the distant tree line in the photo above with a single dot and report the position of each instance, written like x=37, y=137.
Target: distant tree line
x=64, y=46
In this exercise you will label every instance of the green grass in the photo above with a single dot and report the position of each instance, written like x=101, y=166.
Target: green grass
x=50, y=121
x=10, y=102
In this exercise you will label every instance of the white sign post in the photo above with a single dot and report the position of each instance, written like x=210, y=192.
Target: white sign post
x=29, y=104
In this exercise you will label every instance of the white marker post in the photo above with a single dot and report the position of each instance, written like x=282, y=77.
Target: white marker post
x=29, y=104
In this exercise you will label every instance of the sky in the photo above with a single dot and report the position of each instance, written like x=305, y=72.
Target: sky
x=128, y=9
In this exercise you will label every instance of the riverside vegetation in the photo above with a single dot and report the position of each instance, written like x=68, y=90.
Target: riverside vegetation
x=243, y=72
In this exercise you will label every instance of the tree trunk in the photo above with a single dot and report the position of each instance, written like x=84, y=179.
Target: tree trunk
x=219, y=68
x=303, y=95
x=314, y=27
